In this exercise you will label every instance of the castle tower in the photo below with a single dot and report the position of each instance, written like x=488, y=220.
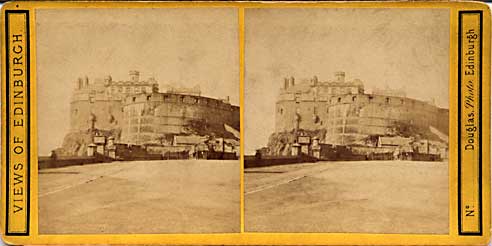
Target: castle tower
x=340, y=76
x=79, y=83
x=107, y=80
x=86, y=81
x=314, y=80
x=134, y=75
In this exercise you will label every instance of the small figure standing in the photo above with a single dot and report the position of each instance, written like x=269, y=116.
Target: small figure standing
x=396, y=154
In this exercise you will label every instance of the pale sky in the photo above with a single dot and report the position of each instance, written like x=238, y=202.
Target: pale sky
x=184, y=47
x=400, y=48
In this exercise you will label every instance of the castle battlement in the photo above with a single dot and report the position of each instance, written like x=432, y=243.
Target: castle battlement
x=184, y=99
x=392, y=101
x=320, y=89
x=107, y=89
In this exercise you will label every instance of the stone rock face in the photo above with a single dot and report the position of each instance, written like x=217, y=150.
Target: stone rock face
x=203, y=128
x=279, y=143
x=75, y=143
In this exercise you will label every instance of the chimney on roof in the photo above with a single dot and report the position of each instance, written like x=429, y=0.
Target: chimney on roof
x=315, y=80
x=86, y=81
x=340, y=76
x=80, y=83
x=286, y=83
x=134, y=76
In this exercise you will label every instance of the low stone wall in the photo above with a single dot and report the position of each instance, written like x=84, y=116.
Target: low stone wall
x=254, y=161
x=47, y=162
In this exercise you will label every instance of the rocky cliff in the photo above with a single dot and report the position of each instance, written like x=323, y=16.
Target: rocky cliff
x=279, y=143
x=75, y=143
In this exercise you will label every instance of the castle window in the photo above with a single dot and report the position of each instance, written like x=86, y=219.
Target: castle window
x=339, y=99
x=402, y=102
x=353, y=98
x=148, y=98
x=370, y=98
x=281, y=111
x=91, y=99
x=387, y=100
x=133, y=99
x=297, y=97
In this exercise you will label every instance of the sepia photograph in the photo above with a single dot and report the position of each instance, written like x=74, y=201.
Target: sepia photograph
x=138, y=120
x=346, y=120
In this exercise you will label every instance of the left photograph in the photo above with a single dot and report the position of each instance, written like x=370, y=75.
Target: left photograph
x=138, y=120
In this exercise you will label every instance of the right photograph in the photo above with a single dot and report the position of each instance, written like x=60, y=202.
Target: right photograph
x=346, y=120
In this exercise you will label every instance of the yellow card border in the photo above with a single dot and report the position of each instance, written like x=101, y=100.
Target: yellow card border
x=469, y=156
x=17, y=156
x=248, y=238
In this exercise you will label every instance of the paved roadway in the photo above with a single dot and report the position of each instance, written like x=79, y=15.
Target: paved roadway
x=185, y=196
x=363, y=196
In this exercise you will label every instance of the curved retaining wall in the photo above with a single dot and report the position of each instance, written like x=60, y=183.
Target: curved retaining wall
x=351, y=118
x=148, y=117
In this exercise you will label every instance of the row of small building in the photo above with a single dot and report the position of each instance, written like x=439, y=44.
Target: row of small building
x=385, y=148
x=181, y=147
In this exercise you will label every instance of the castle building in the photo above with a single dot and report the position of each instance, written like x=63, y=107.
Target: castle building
x=135, y=112
x=348, y=114
x=98, y=103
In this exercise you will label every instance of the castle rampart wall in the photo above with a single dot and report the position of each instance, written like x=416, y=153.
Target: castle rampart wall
x=149, y=117
x=351, y=118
